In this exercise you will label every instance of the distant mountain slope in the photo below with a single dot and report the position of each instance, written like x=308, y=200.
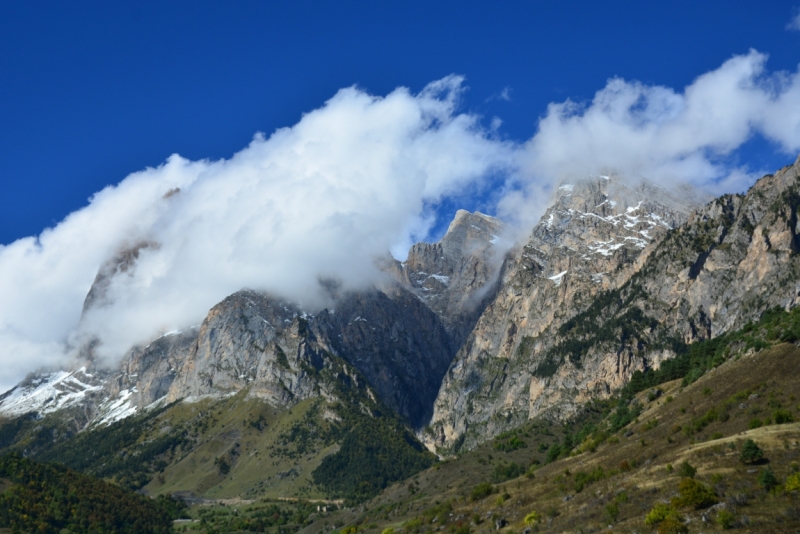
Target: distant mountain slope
x=266, y=399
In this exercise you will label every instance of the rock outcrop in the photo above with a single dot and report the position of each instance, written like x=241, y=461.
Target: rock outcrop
x=456, y=277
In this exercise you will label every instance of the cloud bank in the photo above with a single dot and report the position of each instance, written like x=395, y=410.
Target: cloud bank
x=351, y=180
x=668, y=136
x=319, y=200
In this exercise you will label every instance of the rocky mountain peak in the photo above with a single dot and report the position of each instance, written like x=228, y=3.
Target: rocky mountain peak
x=592, y=238
x=454, y=275
x=122, y=262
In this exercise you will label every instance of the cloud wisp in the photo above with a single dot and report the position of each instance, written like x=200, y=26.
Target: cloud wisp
x=350, y=181
x=669, y=136
x=794, y=24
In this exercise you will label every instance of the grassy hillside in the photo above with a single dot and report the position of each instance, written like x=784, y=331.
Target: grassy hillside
x=709, y=441
x=670, y=450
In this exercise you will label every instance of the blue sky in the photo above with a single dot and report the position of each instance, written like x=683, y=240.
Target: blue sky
x=92, y=91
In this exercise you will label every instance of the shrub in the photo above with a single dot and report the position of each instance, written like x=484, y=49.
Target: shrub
x=767, y=479
x=687, y=470
x=724, y=519
x=672, y=525
x=659, y=513
x=532, y=518
x=751, y=452
x=793, y=482
x=697, y=425
x=582, y=478
x=222, y=465
x=481, y=490
x=755, y=423
x=553, y=453
x=503, y=471
x=387, y=530
x=612, y=512
x=694, y=494
x=508, y=446
x=410, y=525
x=782, y=417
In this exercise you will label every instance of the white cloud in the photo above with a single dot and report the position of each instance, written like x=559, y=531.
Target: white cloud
x=671, y=136
x=504, y=95
x=794, y=24
x=318, y=200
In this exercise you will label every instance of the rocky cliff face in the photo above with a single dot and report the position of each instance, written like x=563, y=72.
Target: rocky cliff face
x=250, y=340
x=401, y=337
x=397, y=342
x=274, y=350
x=616, y=279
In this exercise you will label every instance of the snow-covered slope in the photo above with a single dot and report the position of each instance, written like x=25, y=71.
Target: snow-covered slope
x=47, y=393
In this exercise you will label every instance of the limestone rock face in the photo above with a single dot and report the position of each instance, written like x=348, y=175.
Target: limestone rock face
x=250, y=340
x=401, y=337
x=467, y=336
x=614, y=279
x=588, y=241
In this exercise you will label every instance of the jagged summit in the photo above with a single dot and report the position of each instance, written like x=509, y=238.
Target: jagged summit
x=601, y=224
x=454, y=275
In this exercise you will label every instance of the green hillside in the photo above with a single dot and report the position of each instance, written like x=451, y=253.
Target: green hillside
x=709, y=441
x=49, y=498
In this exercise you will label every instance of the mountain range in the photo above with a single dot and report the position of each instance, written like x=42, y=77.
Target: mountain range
x=463, y=342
